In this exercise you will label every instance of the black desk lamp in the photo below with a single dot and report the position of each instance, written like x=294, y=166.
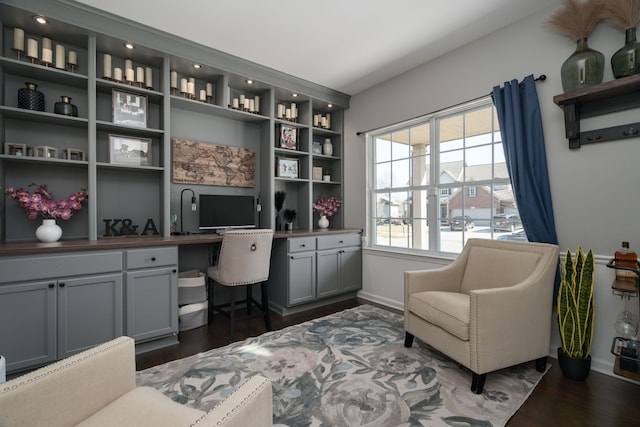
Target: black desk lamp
x=194, y=207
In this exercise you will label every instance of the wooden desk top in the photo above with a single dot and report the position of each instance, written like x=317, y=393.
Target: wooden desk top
x=30, y=248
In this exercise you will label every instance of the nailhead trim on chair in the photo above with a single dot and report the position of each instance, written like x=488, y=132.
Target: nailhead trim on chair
x=229, y=414
x=58, y=366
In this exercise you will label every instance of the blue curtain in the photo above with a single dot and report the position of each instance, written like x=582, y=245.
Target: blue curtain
x=523, y=141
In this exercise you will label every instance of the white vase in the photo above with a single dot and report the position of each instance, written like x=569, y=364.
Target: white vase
x=323, y=222
x=49, y=231
x=327, y=147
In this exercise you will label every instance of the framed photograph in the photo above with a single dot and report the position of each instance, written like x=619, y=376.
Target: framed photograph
x=316, y=147
x=288, y=137
x=125, y=150
x=287, y=168
x=129, y=109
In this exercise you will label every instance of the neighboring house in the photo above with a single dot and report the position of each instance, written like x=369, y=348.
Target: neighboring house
x=480, y=204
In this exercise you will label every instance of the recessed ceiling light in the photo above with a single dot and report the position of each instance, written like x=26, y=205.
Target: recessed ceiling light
x=295, y=95
x=197, y=66
x=249, y=81
x=40, y=19
x=330, y=105
x=128, y=45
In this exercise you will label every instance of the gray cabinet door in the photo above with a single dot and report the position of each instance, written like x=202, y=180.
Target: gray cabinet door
x=351, y=269
x=328, y=273
x=302, y=278
x=151, y=297
x=90, y=312
x=28, y=324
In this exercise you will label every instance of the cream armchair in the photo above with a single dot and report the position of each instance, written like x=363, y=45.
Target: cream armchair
x=489, y=309
x=98, y=388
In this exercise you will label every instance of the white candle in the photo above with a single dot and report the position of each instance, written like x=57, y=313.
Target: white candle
x=236, y=104
x=280, y=111
x=46, y=43
x=328, y=120
x=183, y=85
x=117, y=74
x=256, y=103
x=287, y=113
x=252, y=105
x=128, y=63
x=316, y=120
x=247, y=104
x=18, y=39
x=32, y=48
x=242, y=100
x=140, y=75
x=209, y=89
x=203, y=95
x=60, y=56
x=107, y=66
x=294, y=110
x=129, y=74
x=47, y=55
x=191, y=88
x=324, y=122
x=73, y=58
x=148, y=77
x=174, y=80
x=228, y=95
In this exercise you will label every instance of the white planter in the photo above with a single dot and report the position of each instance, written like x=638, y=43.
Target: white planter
x=49, y=231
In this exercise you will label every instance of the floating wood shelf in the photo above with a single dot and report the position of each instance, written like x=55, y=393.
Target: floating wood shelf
x=609, y=97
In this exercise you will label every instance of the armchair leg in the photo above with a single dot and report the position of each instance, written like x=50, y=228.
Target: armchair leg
x=541, y=364
x=477, y=383
x=408, y=339
x=232, y=313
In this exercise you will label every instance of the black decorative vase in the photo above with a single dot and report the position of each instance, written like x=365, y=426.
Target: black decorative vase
x=65, y=107
x=576, y=369
x=29, y=98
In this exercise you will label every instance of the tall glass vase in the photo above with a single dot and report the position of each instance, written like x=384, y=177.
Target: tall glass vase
x=585, y=67
x=626, y=60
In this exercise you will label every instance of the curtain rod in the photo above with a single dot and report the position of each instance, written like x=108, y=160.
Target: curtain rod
x=540, y=78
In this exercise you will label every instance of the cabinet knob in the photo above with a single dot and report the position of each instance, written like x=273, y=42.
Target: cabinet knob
x=341, y=241
x=291, y=257
x=61, y=284
x=153, y=259
x=303, y=245
x=174, y=271
x=52, y=285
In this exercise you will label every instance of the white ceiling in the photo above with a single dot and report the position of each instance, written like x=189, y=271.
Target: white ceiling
x=347, y=45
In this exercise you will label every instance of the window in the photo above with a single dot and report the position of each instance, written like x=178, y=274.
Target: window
x=429, y=173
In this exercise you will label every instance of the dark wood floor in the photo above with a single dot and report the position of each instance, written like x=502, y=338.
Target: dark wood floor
x=599, y=401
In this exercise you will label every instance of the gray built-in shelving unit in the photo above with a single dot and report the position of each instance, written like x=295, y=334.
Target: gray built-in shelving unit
x=142, y=192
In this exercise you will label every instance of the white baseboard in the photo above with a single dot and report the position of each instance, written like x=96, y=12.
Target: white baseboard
x=380, y=300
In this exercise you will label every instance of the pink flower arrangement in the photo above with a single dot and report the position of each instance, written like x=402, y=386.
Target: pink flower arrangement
x=327, y=207
x=41, y=202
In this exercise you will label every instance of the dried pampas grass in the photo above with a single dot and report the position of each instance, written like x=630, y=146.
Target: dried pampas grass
x=623, y=14
x=577, y=20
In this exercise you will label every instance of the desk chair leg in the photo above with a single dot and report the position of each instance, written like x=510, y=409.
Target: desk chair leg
x=232, y=313
x=265, y=306
x=249, y=297
x=210, y=299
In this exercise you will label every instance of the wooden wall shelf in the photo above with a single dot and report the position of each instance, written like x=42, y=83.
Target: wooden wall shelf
x=609, y=97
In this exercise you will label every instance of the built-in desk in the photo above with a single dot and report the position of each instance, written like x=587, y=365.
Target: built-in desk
x=57, y=299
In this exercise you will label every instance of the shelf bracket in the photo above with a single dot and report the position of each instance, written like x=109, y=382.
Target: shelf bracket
x=572, y=123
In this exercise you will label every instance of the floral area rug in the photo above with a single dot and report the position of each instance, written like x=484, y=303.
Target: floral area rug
x=348, y=369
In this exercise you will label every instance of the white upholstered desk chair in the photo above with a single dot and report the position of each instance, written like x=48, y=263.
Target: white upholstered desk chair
x=244, y=260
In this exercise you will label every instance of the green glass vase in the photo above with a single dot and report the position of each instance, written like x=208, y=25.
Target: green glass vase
x=585, y=67
x=626, y=61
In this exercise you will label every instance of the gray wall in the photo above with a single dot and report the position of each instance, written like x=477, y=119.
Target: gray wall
x=594, y=189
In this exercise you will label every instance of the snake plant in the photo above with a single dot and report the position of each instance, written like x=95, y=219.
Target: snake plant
x=575, y=304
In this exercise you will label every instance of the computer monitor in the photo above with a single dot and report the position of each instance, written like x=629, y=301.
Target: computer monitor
x=219, y=212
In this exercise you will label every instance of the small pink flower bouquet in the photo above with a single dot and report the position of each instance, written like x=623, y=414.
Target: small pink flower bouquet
x=327, y=207
x=41, y=203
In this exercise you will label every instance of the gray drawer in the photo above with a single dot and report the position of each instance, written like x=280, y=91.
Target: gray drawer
x=301, y=244
x=338, y=240
x=151, y=257
x=39, y=267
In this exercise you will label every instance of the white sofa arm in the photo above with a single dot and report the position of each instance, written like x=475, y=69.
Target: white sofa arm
x=250, y=405
x=66, y=392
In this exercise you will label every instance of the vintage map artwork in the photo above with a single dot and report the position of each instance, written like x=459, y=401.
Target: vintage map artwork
x=212, y=164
